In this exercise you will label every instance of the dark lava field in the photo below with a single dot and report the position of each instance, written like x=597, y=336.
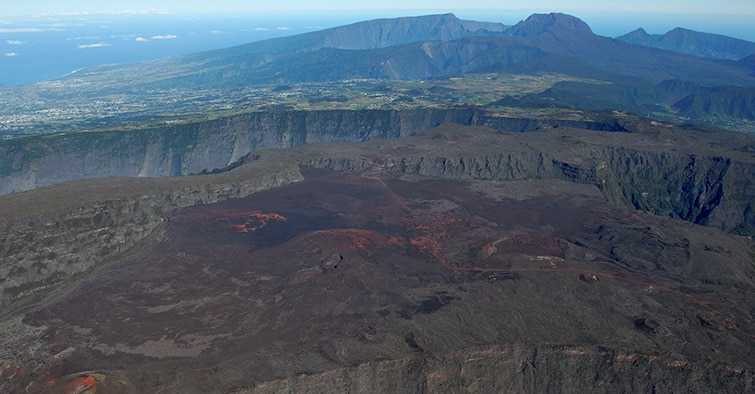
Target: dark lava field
x=344, y=269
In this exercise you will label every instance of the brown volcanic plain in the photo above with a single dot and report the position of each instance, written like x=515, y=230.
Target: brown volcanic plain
x=347, y=269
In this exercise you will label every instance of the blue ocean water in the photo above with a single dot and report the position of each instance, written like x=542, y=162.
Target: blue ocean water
x=43, y=48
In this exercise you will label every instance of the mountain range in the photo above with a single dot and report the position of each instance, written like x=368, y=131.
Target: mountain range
x=693, y=43
x=651, y=76
x=433, y=46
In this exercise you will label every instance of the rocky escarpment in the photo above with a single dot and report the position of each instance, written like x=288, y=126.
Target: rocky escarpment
x=521, y=368
x=39, y=250
x=197, y=147
x=505, y=166
x=709, y=190
x=206, y=146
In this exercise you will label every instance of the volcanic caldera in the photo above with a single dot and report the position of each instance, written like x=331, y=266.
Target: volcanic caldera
x=344, y=269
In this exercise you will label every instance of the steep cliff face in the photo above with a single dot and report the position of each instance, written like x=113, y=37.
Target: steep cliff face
x=197, y=147
x=700, y=189
x=206, y=146
x=510, y=166
x=708, y=190
x=521, y=368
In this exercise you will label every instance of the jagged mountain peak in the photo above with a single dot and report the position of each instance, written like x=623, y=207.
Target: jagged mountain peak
x=639, y=36
x=556, y=23
x=678, y=30
x=679, y=33
x=640, y=33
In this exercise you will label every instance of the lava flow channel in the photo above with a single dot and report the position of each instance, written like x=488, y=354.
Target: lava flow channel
x=255, y=220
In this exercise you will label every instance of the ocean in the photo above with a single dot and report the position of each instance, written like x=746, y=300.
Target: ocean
x=36, y=49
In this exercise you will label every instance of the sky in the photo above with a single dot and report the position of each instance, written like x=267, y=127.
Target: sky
x=734, y=7
x=610, y=18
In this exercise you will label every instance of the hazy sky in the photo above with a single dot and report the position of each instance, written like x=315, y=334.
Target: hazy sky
x=609, y=18
x=737, y=7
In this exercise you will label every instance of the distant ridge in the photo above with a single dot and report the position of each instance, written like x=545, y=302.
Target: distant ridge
x=434, y=46
x=553, y=23
x=693, y=43
x=732, y=101
x=379, y=33
x=640, y=37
